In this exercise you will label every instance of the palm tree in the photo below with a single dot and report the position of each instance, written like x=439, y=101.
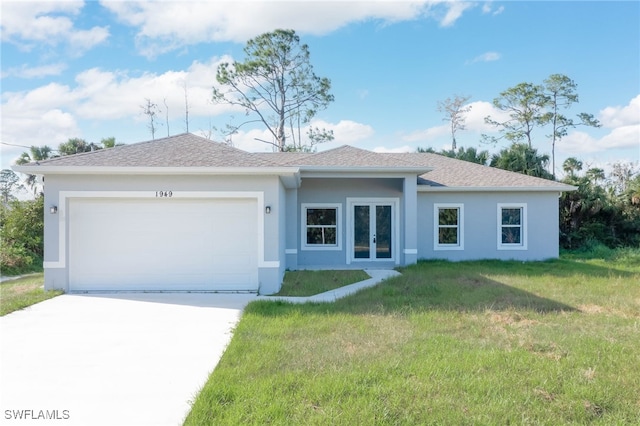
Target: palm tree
x=35, y=154
x=572, y=165
x=521, y=158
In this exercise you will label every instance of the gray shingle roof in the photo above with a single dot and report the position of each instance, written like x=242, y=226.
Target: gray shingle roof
x=184, y=150
x=348, y=156
x=190, y=151
x=453, y=173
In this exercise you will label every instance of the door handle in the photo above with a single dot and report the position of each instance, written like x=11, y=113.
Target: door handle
x=374, y=239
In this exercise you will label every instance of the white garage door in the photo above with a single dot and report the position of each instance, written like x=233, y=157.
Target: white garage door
x=166, y=244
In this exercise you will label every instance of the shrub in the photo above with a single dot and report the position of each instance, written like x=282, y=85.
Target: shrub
x=21, y=232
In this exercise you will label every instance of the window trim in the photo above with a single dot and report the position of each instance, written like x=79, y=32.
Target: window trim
x=523, y=226
x=436, y=226
x=303, y=223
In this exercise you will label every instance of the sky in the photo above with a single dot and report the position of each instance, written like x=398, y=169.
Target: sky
x=84, y=69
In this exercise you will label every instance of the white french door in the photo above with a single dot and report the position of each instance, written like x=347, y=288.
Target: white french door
x=373, y=226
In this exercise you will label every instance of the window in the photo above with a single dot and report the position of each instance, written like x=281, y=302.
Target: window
x=512, y=226
x=448, y=227
x=321, y=227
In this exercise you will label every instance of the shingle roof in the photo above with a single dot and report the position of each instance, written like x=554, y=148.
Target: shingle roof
x=348, y=156
x=453, y=173
x=184, y=150
x=190, y=151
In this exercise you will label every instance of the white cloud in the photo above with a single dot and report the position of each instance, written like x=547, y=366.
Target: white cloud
x=486, y=57
x=578, y=142
x=487, y=7
x=624, y=122
x=621, y=116
x=384, y=150
x=29, y=24
x=474, y=123
x=345, y=132
x=166, y=26
x=430, y=134
x=454, y=12
x=48, y=114
x=474, y=119
x=34, y=72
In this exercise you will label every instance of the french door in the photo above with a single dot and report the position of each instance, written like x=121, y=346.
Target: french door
x=373, y=230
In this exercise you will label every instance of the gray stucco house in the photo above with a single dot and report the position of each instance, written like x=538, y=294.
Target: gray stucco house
x=186, y=214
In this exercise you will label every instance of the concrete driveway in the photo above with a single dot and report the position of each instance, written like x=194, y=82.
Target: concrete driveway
x=114, y=359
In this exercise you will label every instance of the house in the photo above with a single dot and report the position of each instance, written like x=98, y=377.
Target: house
x=183, y=213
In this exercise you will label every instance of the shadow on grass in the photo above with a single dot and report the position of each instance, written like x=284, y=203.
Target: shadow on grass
x=459, y=286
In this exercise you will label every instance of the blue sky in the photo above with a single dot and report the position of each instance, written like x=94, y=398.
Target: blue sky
x=82, y=69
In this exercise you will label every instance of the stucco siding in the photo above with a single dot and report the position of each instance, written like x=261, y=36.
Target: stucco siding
x=336, y=191
x=480, y=225
x=60, y=189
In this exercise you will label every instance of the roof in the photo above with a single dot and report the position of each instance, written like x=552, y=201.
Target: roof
x=184, y=150
x=194, y=154
x=450, y=173
x=350, y=157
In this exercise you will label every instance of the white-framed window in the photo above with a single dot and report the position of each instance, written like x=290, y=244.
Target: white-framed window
x=448, y=226
x=512, y=226
x=321, y=226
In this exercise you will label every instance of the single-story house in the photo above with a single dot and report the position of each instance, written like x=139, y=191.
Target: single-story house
x=184, y=213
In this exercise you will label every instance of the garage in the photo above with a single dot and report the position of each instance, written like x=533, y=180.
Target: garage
x=163, y=244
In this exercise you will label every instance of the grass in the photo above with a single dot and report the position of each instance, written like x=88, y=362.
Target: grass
x=309, y=283
x=22, y=292
x=486, y=342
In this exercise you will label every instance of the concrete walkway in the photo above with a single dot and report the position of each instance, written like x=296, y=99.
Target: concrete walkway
x=122, y=358
x=377, y=276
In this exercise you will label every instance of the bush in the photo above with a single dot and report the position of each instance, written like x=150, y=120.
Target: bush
x=21, y=232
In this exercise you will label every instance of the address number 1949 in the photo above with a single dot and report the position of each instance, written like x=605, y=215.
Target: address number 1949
x=164, y=194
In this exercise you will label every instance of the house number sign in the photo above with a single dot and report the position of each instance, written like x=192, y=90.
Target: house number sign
x=164, y=194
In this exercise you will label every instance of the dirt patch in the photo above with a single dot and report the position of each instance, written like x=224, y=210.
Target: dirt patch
x=20, y=288
x=513, y=319
x=592, y=309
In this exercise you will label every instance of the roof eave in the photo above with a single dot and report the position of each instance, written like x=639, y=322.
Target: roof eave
x=559, y=188
x=91, y=170
x=365, y=169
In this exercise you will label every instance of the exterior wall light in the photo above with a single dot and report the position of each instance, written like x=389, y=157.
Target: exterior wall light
x=267, y=210
x=53, y=209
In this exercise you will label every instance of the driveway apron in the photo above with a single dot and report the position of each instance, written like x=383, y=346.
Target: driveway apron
x=112, y=359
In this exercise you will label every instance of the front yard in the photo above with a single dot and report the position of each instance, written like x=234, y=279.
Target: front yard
x=23, y=292
x=488, y=342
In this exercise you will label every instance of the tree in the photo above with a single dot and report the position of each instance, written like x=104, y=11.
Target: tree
x=560, y=93
x=109, y=142
x=572, y=165
x=9, y=184
x=150, y=109
x=75, y=146
x=454, y=113
x=186, y=106
x=525, y=105
x=21, y=232
x=521, y=158
x=276, y=84
x=466, y=154
x=35, y=154
x=621, y=175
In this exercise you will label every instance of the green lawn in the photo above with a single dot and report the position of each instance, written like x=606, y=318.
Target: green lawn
x=487, y=342
x=309, y=283
x=22, y=292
